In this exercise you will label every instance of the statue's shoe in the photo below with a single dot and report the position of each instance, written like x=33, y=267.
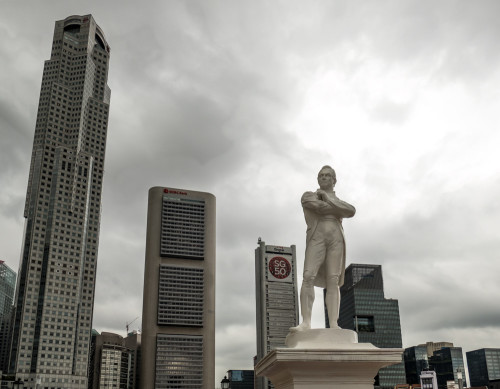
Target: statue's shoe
x=301, y=327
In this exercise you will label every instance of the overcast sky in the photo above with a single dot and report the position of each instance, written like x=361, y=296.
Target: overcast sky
x=247, y=100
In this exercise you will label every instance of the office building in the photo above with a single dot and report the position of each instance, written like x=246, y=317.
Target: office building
x=240, y=379
x=276, y=299
x=416, y=362
x=428, y=380
x=364, y=309
x=7, y=287
x=484, y=366
x=434, y=346
x=133, y=343
x=56, y=278
x=178, y=319
x=447, y=362
x=114, y=360
x=494, y=384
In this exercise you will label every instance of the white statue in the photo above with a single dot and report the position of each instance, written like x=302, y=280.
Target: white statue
x=324, y=263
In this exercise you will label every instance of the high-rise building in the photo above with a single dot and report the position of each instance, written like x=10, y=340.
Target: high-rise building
x=178, y=317
x=276, y=298
x=416, y=362
x=113, y=361
x=7, y=287
x=56, y=278
x=483, y=365
x=447, y=362
x=364, y=309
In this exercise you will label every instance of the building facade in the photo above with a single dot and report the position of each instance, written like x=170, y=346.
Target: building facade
x=7, y=288
x=178, y=319
x=434, y=346
x=241, y=379
x=56, y=279
x=428, y=380
x=276, y=299
x=494, y=384
x=133, y=342
x=416, y=362
x=364, y=309
x=114, y=361
x=483, y=365
x=446, y=362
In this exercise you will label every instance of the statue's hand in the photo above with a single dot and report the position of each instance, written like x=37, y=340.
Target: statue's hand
x=321, y=194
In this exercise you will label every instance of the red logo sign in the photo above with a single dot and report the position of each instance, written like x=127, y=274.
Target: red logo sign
x=166, y=190
x=279, y=267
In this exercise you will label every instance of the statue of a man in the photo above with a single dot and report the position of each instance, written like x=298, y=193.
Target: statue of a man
x=324, y=263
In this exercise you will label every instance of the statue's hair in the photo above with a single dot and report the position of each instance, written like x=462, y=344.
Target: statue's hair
x=334, y=175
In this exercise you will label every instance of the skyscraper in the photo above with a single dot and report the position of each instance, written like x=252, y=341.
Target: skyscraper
x=7, y=286
x=416, y=362
x=364, y=309
x=276, y=299
x=447, y=362
x=56, y=278
x=484, y=366
x=178, y=314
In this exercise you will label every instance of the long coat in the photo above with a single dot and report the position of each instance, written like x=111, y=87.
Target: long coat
x=313, y=217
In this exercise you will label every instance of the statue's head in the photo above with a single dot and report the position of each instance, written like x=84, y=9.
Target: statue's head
x=327, y=177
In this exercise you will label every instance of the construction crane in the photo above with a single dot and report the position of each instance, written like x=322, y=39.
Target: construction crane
x=127, y=325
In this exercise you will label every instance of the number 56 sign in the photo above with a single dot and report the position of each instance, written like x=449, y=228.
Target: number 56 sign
x=279, y=268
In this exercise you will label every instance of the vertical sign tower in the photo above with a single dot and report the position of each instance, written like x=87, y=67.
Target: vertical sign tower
x=178, y=314
x=276, y=298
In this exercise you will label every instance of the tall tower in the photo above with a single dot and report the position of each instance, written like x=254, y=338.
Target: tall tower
x=364, y=309
x=56, y=278
x=178, y=312
x=276, y=299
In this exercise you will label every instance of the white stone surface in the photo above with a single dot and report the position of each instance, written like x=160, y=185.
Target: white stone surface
x=350, y=367
x=325, y=338
x=324, y=263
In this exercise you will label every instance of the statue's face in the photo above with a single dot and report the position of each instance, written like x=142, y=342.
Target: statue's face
x=325, y=179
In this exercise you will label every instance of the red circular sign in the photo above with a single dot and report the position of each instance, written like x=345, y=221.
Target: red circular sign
x=279, y=267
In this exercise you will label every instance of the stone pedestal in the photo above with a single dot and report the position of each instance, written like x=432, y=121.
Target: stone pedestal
x=325, y=359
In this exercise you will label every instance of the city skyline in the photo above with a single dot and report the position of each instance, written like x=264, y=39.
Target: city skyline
x=399, y=98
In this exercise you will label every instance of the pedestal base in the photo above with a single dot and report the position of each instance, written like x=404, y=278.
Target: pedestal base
x=324, y=338
x=327, y=360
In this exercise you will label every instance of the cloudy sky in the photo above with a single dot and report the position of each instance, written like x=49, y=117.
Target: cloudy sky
x=247, y=100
